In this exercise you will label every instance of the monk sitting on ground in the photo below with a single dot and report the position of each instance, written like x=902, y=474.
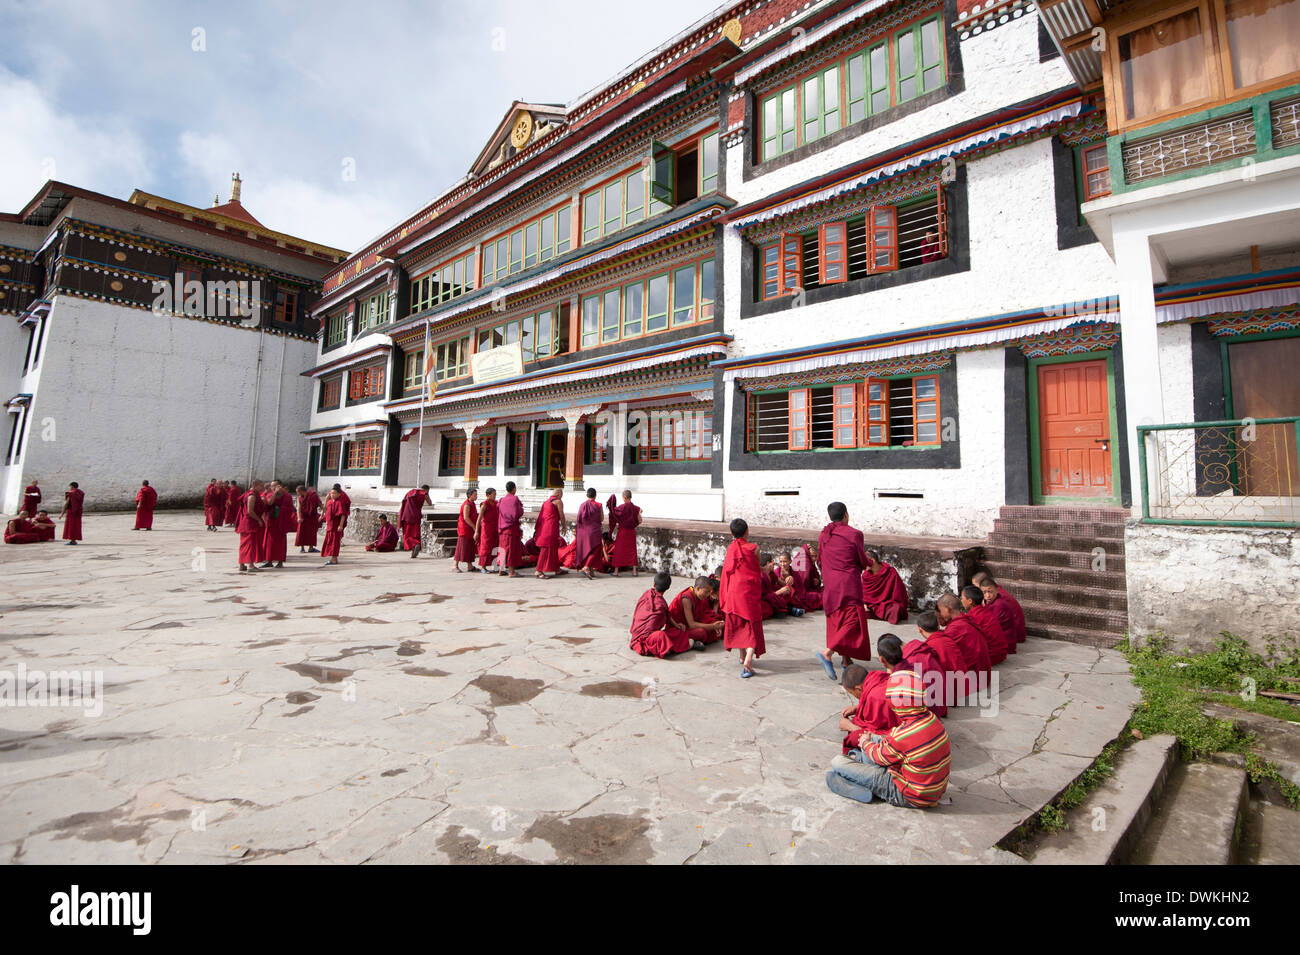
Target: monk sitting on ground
x=949, y=657
x=869, y=712
x=804, y=598
x=986, y=618
x=777, y=591
x=22, y=531
x=690, y=610
x=653, y=633
x=386, y=538
x=883, y=591
x=969, y=638
x=1010, y=613
x=44, y=525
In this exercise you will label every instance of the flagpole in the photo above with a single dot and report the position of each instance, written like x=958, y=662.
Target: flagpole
x=424, y=400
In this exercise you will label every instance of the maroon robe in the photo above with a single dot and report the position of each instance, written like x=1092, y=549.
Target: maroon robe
x=774, y=602
x=385, y=541
x=924, y=659
x=22, y=531
x=1017, y=613
x=884, y=594
x=234, y=499
x=985, y=619
x=214, y=505
x=548, y=536
x=410, y=516
x=653, y=634
x=624, y=517
x=145, y=500
x=73, y=501
x=308, y=519
x=31, y=499
x=487, y=533
x=252, y=533
x=45, y=528
x=843, y=559
x=586, y=535
x=741, y=597
x=275, y=546
x=803, y=596
x=970, y=641
x=701, y=613
x=510, y=536
x=334, y=518
x=874, y=713
x=466, y=521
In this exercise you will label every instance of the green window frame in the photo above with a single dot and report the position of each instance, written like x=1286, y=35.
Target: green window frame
x=634, y=190
x=918, y=59
x=590, y=320
x=656, y=317
x=709, y=164
x=336, y=329
x=591, y=216
x=780, y=123
x=633, y=309
x=683, y=296
x=821, y=103
x=610, y=315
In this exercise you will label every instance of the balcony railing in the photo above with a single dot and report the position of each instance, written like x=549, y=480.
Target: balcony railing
x=1242, y=473
x=1229, y=136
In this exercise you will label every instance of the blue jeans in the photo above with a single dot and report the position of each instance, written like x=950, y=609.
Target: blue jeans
x=861, y=779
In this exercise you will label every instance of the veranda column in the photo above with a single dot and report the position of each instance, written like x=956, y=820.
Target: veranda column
x=573, y=456
x=1143, y=391
x=470, y=480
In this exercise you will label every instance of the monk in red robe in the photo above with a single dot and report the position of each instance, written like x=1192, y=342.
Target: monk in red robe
x=346, y=502
x=334, y=520
x=986, y=619
x=1008, y=608
x=74, y=499
x=587, y=527
x=778, y=588
x=466, y=528
x=653, y=632
x=940, y=648
x=32, y=498
x=843, y=558
x=803, y=598
x=690, y=611
x=145, y=500
x=385, y=541
x=550, y=527
x=44, y=525
x=883, y=591
x=251, y=527
x=279, y=505
x=485, y=541
x=411, y=515
x=969, y=638
x=22, y=531
x=741, y=596
x=214, y=504
x=923, y=659
x=510, y=547
x=308, y=519
x=234, y=503
x=869, y=712
x=626, y=517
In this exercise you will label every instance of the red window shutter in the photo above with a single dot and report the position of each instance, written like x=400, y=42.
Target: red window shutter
x=845, y=409
x=832, y=252
x=882, y=239
x=942, y=224
x=875, y=420
x=791, y=262
x=800, y=434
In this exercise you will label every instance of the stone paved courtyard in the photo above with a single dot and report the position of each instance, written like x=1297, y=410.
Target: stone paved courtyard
x=390, y=710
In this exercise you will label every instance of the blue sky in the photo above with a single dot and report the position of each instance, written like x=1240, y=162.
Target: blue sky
x=174, y=97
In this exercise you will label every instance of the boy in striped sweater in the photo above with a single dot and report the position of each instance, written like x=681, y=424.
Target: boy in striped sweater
x=906, y=767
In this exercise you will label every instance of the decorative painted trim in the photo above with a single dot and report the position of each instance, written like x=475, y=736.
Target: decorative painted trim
x=1076, y=340
x=1258, y=322
x=852, y=372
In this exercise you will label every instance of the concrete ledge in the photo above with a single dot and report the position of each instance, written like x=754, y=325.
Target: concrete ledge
x=1197, y=821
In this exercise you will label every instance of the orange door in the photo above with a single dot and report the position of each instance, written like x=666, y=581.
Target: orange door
x=556, y=443
x=1074, y=429
x=1265, y=385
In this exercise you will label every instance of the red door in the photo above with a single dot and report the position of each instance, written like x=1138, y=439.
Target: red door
x=1074, y=429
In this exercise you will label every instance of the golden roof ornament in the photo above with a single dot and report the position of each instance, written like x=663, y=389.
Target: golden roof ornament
x=731, y=30
x=519, y=136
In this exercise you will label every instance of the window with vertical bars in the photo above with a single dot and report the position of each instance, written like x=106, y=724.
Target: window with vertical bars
x=332, y=455
x=363, y=454
x=487, y=450
x=875, y=413
x=454, y=456
x=675, y=435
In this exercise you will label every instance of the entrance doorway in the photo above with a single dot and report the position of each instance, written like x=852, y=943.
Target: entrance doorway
x=1264, y=384
x=551, y=448
x=1073, y=452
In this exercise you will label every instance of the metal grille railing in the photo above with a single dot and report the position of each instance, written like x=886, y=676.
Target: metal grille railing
x=1190, y=147
x=1284, y=114
x=1235, y=473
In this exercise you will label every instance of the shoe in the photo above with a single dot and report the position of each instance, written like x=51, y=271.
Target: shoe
x=697, y=644
x=279, y=563
x=797, y=611
x=828, y=666
x=243, y=568
x=745, y=674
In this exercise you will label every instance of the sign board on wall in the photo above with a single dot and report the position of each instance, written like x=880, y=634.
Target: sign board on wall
x=497, y=364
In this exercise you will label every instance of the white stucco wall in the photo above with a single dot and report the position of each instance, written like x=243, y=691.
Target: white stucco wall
x=131, y=395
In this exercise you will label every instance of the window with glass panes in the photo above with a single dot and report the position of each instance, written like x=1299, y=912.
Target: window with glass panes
x=709, y=163
x=487, y=450
x=451, y=359
x=874, y=413
x=518, y=449
x=363, y=455
x=536, y=241
x=454, y=452
x=1094, y=171
x=373, y=311
x=449, y=280
x=331, y=456
x=676, y=435
x=538, y=335
x=330, y=390
x=336, y=329
x=286, y=306
x=614, y=205
x=595, y=443
x=885, y=73
x=683, y=296
x=366, y=382
x=413, y=370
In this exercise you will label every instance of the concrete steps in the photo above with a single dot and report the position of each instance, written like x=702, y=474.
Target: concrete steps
x=1199, y=820
x=1271, y=835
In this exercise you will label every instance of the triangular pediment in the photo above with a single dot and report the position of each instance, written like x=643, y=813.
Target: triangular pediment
x=523, y=123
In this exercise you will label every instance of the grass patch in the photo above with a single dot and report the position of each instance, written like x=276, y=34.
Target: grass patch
x=1260, y=770
x=1051, y=818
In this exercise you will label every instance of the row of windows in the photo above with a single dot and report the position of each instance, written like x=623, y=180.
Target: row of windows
x=454, y=452
x=875, y=413
x=538, y=335
x=449, y=280
x=373, y=311
x=360, y=455
x=366, y=382
x=451, y=359
x=682, y=297
x=868, y=82
x=537, y=241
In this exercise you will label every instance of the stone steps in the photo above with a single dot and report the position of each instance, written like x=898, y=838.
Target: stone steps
x=1089, y=529
x=1106, y=826
x=1043, y=557
x=1271, y=835
x=1091, y=597
x=1199, y=819
x=1058, y=577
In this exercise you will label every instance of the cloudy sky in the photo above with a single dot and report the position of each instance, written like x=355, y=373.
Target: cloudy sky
x=172, y=97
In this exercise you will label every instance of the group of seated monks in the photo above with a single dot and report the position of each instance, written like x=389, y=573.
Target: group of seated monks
x=21, y=530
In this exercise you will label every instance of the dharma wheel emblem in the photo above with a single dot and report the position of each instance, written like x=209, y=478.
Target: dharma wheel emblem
x=523, y=129
x=731, y=30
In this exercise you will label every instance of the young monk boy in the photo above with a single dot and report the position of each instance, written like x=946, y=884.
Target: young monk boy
x=740, y=593
x=385, y=541
x=690, y=610
x=44, y=525
x=869, y=712
x=986, y=619
x=1008, y=607
x=653, y=633
x=803, y=598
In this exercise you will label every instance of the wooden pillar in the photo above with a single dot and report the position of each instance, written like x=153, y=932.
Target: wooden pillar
x=471, y=429
x=573, y=458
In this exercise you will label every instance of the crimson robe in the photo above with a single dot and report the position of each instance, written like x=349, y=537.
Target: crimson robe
x=1017, y=630
x=308, y=519
x=45, y=528
x=874, y=713
x=653, y=634
x=466, y=521
x=985, y=619
x=803, y=597
x=803, y=566
x=214, y=505
x=701, y=613
x=487, y=532
x=145, y=500
x=73, y=501
x=624, y=517
x=586, y=534
x=252, y=533
x=884, y=594
x=385, y=541
x=22, y=531
x=774, y=602
x=31, y=500
x=921, y=657
x=1006, y=619
x=741, y=596
x=548, y=536
x=275, y=547
x=234, y=499
x=510, y=552
x=335, y=516
x=843, y=559
x=970, y=641
x=411, y=515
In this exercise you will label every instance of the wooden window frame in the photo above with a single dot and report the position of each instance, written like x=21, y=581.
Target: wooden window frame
x=455, y=453
x=331, y=455
x=363, y=454
x=824, y=247
x=917, y=419
x=874, y=246
x=332, y=385
x=486, y=445
x=518, y=450
x=413, y=379
x=866, y=420
x=693, y=427
x=331, y=340
x=840, y=402
x=699, y=314
x=286, y=306
x=769, y=255
x=805, y=414
x=710, y=183
x=790, y=263
x=1083, y=152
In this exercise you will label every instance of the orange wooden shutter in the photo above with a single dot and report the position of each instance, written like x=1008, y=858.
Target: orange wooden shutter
x=791, y=262
x=844, y=402
x=925, y=410
x=942, y=223
x=882, y=239
x=832, y=252
x=875, y=420
x=800, y=433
